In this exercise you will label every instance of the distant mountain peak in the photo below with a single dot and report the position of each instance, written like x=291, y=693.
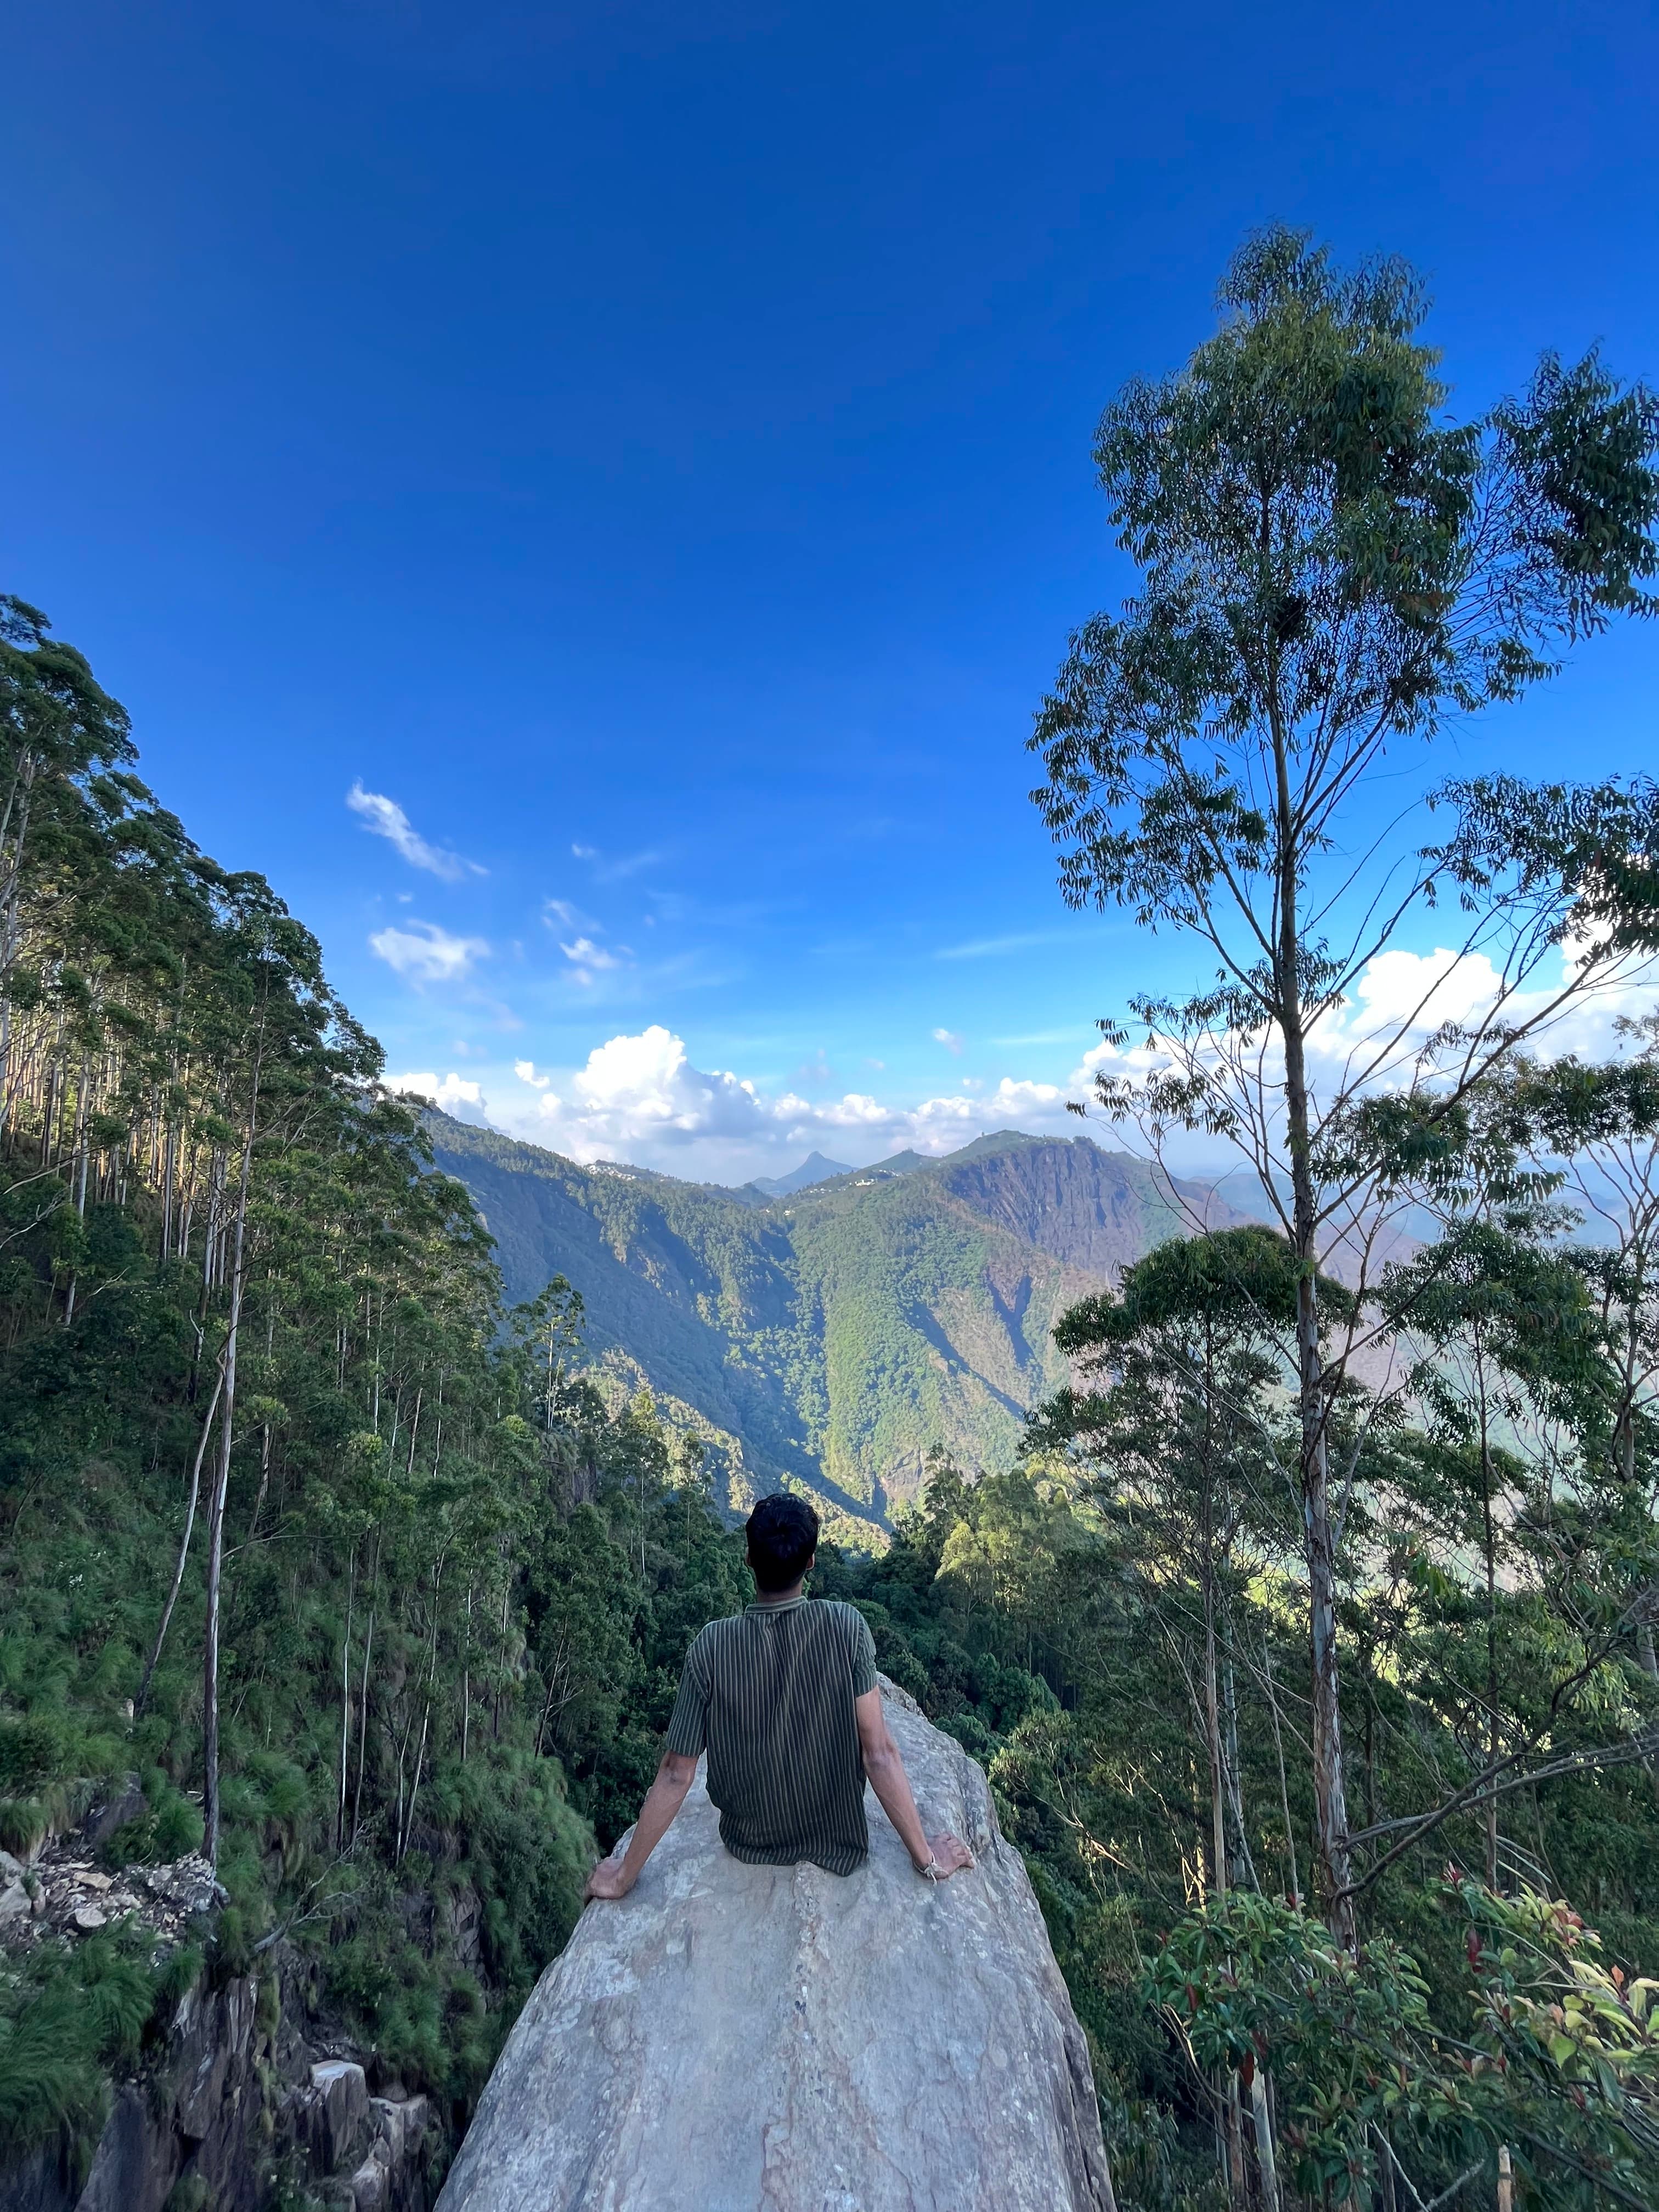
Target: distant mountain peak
x=832, y=1340
x=813, y=1169
x=1006, y=1140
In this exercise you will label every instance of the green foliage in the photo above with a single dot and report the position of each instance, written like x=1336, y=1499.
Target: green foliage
x=1327, y=553
x=1347, y=2038
x=68, y=2015
x=1561, y=2061
x=460, y=1575
x=1571, y=2043
x=1051, y=1619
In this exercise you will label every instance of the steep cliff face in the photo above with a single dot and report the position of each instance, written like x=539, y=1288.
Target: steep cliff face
x=235, y=2116
x=1095, y=1210
x=241, y=2102
x=737, y=2038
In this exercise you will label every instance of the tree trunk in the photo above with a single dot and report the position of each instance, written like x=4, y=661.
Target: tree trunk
x=362, y=1717
x=12, y=840
x=345, y=1703
x=1284, y=1783
x=1489, y=1546
x=211, y=1812
x=78, y=1174
x=143, y=1698
x=426, y=1716
x=1266, y=2165
x=466, y=1677
x=1212, y=1744
x=1330, y=1794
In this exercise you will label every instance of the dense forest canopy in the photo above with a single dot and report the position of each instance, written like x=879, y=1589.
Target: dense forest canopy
x=1309, y=1648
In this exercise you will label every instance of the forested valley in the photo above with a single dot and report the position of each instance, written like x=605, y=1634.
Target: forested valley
x=1308, y=1644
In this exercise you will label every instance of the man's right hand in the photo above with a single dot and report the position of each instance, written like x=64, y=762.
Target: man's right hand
x=950, y=1855
x=608, y=1879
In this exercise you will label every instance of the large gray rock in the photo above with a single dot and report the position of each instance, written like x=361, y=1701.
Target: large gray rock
x=737, y=2038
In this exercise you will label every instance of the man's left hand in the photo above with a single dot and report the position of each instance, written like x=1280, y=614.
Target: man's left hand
x=607, y=1881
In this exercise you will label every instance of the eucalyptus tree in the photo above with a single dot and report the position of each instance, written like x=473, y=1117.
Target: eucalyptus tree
x=59, y=731
x=1332, y=566
x=285, y=1049
x=1176, y=1432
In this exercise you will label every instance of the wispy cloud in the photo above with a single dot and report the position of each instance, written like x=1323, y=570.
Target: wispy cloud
x=1044, y=1036
x=949, y=1039
x=588, y=959
x=427, y=954
x=384, y=817
x=586, y=954
x=985, y=948
x=618, y=870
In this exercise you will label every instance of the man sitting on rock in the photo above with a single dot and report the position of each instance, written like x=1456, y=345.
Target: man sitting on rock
x=784, y=1699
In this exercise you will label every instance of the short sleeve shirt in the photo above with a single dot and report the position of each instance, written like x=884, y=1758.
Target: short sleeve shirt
x=769, y=1696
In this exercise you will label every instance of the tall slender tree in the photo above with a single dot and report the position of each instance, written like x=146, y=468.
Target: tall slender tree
x=1332, y=565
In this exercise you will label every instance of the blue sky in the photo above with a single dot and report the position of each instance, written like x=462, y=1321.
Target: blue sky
x=649, y=447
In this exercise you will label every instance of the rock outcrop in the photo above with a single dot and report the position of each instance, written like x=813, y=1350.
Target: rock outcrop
x=234, y=2104
x=737, y=2038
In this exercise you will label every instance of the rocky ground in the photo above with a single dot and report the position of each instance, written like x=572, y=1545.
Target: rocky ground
x=64, y=1894
x=247, y=2100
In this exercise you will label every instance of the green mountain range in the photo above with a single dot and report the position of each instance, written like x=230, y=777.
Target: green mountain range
x=831, y=1335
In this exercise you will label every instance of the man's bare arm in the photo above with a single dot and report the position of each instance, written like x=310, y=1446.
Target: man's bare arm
x=614, y=1877
x=891, y=1784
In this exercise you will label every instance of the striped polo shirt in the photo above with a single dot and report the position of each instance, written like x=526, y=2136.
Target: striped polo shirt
x=769, y=1696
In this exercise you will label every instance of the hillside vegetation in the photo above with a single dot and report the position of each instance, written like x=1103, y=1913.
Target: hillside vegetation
x=313, y=1557
x=833, y=1335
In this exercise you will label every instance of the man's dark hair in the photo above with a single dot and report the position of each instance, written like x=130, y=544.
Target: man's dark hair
x=783, y=1535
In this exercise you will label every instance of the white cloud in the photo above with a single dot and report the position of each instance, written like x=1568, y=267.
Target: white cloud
x=427, y=954
x=1413, y=994
x=584, y=953
x=1371, y=1041
x=386, y=818
x=454, y=1093
x=588, y=959
x=1038, y=1101
x=640, y=1097
x=949, y=1039
x=585, y=851
x=1424, y=990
